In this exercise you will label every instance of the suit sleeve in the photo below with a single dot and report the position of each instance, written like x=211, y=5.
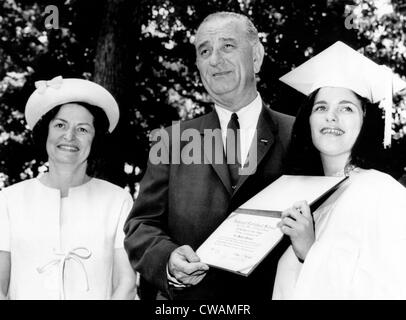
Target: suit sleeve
x=147, y=243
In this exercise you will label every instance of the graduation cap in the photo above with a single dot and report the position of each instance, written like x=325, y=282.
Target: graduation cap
x=341, y=66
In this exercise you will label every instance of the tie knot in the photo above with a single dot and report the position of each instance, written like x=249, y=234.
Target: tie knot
x=233, y=123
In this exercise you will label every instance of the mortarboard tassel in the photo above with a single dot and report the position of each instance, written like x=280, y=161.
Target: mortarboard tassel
x=386, y=104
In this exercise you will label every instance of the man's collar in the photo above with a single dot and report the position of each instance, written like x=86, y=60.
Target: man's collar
x=250, y=111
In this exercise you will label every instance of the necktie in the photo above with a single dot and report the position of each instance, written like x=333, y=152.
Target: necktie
x=233, y=149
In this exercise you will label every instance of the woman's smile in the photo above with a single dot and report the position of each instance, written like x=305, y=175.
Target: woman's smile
x=332, y=131
x=68, y=147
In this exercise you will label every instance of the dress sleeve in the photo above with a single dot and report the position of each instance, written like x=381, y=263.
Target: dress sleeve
x=125, y=210
x=362, y=251
x=4, y=224
x=389, y=268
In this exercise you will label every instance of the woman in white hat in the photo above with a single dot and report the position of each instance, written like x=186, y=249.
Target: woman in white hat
x=354, y=245
x=61, y=234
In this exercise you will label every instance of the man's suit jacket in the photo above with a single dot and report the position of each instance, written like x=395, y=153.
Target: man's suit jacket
x=182, y=204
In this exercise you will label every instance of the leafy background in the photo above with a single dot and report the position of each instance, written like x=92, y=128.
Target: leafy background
x=142, y=51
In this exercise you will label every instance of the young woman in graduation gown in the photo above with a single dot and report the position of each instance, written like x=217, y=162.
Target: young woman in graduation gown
x=354, y=245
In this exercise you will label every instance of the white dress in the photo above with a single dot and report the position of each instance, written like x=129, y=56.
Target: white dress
x=69, y=259
x=360, y=247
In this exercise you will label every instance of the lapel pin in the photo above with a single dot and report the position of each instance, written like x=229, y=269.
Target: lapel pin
x=264, y=141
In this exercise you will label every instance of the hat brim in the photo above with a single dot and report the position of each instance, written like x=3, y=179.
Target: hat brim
x=71, y=90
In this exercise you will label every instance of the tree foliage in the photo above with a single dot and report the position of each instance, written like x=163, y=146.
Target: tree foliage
x=143, y=52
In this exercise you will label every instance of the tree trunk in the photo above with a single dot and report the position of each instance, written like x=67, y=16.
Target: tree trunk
x=113, y=70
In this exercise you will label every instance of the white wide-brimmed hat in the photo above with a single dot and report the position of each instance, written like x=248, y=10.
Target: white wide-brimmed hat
x=58, y=91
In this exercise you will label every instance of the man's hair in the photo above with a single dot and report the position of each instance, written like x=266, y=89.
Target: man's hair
x=251, y=30
x=367, y=153
x=100, y=123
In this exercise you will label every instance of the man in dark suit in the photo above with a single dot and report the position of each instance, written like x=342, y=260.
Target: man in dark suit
x=182, y=202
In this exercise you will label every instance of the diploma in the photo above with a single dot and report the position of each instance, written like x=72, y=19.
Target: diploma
x=241, y=242
x=249, y=233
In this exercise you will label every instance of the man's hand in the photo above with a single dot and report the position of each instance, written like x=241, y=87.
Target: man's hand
x=297, y=223
x=185, y=266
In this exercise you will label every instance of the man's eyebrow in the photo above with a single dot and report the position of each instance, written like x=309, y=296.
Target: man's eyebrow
x=200, y=45
x=204, y=43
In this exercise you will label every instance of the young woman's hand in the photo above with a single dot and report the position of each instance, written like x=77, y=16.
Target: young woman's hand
x=297, y=223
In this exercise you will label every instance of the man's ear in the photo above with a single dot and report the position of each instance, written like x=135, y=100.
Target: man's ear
x=258, y=56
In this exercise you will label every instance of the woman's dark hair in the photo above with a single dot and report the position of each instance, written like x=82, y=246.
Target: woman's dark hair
x=367, y=153
x=100, y=123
